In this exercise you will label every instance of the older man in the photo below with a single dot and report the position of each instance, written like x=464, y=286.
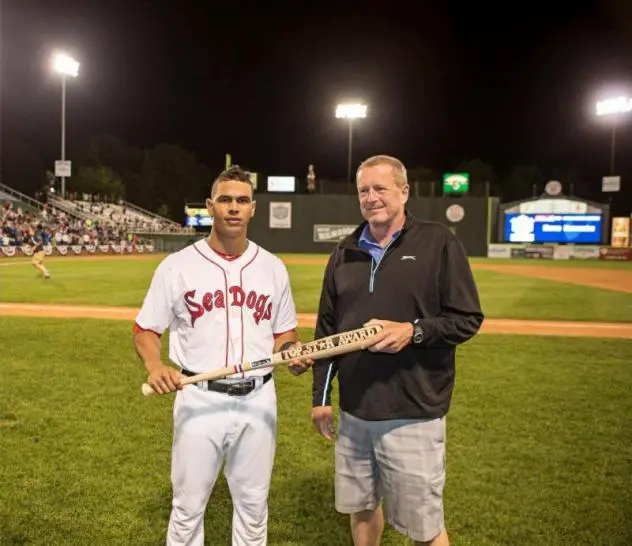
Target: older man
x=414, y=278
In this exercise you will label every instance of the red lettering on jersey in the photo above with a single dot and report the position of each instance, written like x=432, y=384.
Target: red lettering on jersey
x=219, y=300
x=261, y=304
x=268, y=313
x=238, y=296
x=260, y=308
x=195, y=309
x=207, y=301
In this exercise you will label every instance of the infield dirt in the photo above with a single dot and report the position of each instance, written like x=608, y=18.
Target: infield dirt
x=608, y=279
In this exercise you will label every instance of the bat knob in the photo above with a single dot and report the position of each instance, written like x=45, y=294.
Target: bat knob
x=147, y=390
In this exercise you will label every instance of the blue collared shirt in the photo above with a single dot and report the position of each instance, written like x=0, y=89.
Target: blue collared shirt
x=367, y=242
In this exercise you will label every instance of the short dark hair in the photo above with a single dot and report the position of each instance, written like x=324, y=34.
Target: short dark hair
x=234, y=173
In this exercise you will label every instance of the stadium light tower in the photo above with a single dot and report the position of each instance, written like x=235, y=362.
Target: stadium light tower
x=614, y=107
x=350, y=112
x=65, y=66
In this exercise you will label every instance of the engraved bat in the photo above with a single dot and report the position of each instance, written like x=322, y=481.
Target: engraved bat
x=325, y=347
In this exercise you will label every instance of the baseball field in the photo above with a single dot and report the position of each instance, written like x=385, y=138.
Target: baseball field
x=539, y=447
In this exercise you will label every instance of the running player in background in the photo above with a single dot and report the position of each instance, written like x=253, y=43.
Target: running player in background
x=38, y=241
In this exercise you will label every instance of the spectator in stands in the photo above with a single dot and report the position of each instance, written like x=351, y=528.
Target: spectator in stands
x=109, y=221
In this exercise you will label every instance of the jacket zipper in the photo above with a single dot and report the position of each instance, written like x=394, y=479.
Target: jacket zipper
x=375, y=265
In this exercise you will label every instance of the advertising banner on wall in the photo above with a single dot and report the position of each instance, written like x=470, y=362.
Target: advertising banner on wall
x=562, y=253
x=332, y=233
x=498, y=251
x=584, y=252
x=620, y=235
x=280, y=215
x=76, y=250
x=540, y=251
x=615, y=254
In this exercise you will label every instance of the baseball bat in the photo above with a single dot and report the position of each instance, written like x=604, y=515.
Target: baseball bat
x=325, y=347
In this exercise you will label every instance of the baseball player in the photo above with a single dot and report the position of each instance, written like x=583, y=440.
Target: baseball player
x=224, y=300
x=38, y=241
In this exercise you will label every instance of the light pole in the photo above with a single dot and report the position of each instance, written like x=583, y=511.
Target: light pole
x=614, y=107
x=350, y=112
x=66, y=66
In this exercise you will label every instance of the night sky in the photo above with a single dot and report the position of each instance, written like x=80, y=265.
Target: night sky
x=509, y=84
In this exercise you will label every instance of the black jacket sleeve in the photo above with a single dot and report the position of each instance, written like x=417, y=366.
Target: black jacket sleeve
x=324, y=371
x=461, y=316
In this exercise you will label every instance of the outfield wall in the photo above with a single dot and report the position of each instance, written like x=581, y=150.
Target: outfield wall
x=300, y=223
x=315, y=223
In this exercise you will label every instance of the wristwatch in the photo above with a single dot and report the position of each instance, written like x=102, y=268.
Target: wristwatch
x=418, y=333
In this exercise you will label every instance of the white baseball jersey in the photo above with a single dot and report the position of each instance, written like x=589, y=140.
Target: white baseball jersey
x=219, y=312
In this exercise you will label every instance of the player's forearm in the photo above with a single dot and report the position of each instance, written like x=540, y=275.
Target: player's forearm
x=148, y=348
x=283, y=339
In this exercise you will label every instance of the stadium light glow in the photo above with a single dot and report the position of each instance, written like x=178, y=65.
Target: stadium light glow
x=614, y=105
x=65, y=65
x=614, y=108
x=351, y=111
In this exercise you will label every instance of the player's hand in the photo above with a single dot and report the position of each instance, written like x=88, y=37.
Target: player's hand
x=323, y=419
x=299, y=365
x=163, y=379
x=393, y=337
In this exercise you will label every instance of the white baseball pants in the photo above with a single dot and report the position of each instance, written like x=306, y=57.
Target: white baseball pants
x=210, y=427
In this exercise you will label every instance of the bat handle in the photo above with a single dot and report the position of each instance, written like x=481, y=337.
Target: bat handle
x=147, y=390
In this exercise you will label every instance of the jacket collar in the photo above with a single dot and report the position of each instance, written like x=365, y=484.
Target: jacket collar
x=351, y=241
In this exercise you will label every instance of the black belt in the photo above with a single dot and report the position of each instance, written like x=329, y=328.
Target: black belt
x=233, y=389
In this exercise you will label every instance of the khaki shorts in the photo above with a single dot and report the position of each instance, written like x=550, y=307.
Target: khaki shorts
x=400, y=462
x=38, y=257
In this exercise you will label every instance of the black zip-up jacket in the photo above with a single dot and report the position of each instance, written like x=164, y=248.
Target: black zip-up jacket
x=424, y=274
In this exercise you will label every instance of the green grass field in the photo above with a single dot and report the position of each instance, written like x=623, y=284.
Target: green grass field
x=539, y=441
x=111, y=282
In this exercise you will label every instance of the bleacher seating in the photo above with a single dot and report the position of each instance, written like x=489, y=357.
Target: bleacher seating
x=76, y=222
x=121, y=213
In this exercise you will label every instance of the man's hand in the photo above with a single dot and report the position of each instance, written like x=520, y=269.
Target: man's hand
x=393, y=338
x=163, y=379
x=299, y=365
x=323, y=419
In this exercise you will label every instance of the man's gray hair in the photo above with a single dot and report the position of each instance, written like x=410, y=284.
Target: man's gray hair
x=399, y=170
